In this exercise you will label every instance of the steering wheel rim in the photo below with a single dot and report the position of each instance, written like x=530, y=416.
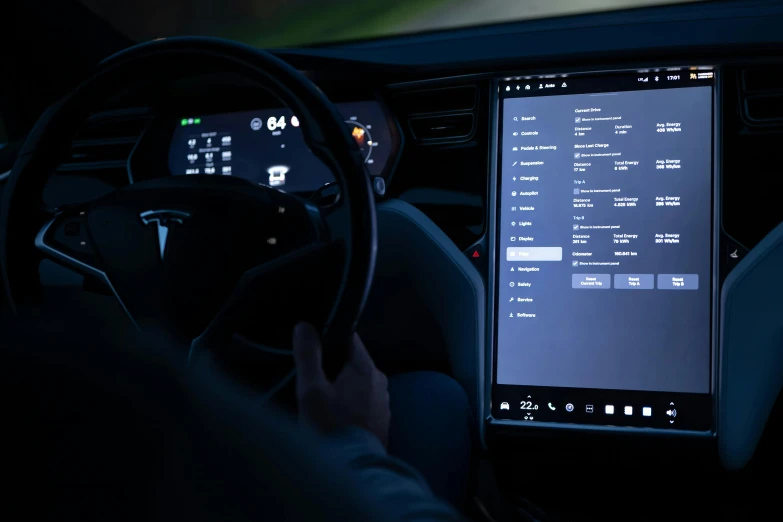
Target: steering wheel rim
x=322, y=127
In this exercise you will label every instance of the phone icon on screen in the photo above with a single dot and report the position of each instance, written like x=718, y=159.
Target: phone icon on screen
x=551, y=407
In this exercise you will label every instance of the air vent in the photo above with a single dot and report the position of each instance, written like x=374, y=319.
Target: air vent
x=766, y=108
x=762, y=79
x=761, y=96
x=439, y=115
x=107, y=140
x=99, y=153
x=430, y=101
x=440, y=128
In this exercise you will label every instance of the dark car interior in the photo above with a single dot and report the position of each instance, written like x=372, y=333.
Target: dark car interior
x=607, y=290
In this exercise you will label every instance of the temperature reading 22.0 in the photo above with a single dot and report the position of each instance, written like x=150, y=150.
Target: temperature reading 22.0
x=528, y=405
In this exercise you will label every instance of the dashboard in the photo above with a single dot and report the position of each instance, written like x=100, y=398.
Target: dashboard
x=594, y=195
x=602, y=213
x=267, y=146
x=605, y=174
x=591, y=201
x=603, y=209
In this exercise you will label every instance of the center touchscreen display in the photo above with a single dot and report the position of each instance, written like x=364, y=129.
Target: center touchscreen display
x=604, y=250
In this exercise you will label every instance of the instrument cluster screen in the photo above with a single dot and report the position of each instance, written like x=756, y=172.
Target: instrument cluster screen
x=267, y=146
x=604, y=250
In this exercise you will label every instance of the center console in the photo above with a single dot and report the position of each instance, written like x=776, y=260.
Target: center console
x=603, y=243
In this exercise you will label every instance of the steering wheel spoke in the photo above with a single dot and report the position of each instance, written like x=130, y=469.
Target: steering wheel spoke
x=65, y=240
x=272, y=297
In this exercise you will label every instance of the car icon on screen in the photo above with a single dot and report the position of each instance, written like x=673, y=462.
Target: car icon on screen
x=504, y=406
x=277, y=175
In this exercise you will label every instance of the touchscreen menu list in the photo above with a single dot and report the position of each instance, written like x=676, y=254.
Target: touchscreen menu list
x=604, y=239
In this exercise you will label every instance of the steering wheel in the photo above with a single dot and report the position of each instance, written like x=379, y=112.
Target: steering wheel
x=197, y=255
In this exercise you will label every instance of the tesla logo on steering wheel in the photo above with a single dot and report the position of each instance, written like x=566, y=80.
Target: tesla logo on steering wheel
x=163, y=218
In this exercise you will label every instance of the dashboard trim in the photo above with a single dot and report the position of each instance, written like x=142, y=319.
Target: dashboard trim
x=489, y=355
x=128, y=167
x=717, y=224
x=398, y=138
x=488, y=374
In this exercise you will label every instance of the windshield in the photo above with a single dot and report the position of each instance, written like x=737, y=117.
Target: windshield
x=282, y=23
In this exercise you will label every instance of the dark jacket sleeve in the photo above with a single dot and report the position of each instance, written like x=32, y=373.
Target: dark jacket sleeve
x=115, y=429
x=396, y=489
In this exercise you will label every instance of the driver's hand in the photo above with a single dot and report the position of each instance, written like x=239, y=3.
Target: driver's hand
x=358, y=397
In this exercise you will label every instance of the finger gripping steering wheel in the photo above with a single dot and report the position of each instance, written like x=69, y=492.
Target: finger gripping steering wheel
x=197, y=254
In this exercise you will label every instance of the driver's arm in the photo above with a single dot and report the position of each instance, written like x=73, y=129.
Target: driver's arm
x=353, y=413
x=342, y=473
x=393, y=487
x=206, y=451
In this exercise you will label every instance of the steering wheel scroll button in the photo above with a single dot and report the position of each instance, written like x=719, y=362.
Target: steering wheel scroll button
x=379, y=185
x=70, y=234
x=72, y=229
